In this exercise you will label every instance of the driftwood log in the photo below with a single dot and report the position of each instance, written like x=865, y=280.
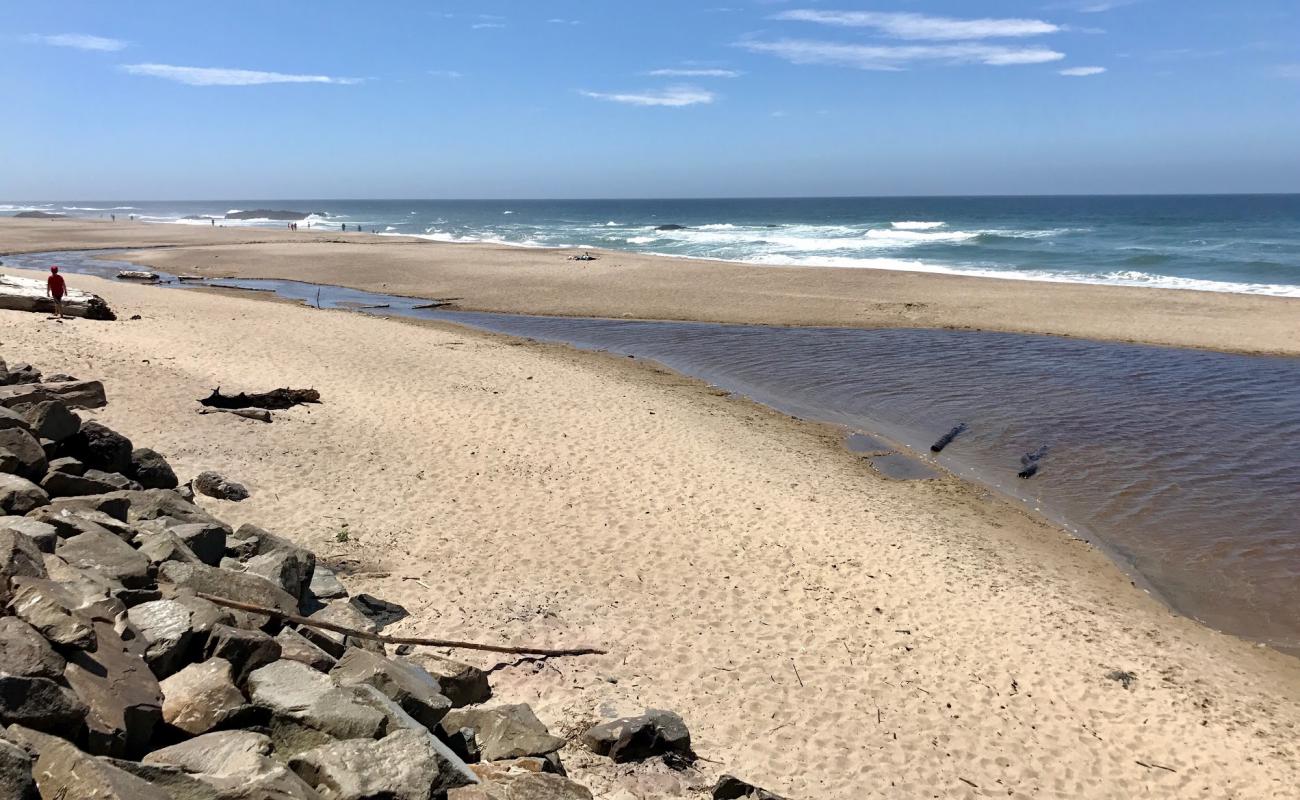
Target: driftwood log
x=947, y=438
x=27, y=294
x=274, y=399
x=412, y=640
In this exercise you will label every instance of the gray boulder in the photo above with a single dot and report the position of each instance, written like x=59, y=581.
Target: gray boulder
x=151, y=470
x=121, y=693
x=340, y=612
x=51, y=419
x=405, y=765
x=52, y=610
x=67, y=464
x=92, y=481
x=244, y=650
x=70, y=521
x=20, y=557
x=506, y=731
x=176, y=782
x=166, y=626
x=325, y=584
x=16, y=781
x=296, y=647
x=202, y=697
x=237, y=764
x=205, y=539
x=64, y=772
x=228, y=585
x=25, y=652
x=45, y=536
x=462, y=684
x=41, y=704
x=164, y=545
x=18, y=495
x=512, y=784
x=12, y=419
x=299, y=693
x=106, y=554
x=637, y=738
x=289, y=569
x=215, y=485
x=74, y=394
x=99, y=447
x=113, y=505
x=406, y=684
x=729, y=787
x=149, y=504
x=22, y=373
x=21, y=454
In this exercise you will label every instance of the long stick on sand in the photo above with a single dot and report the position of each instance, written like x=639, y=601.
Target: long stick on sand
x=415, y=640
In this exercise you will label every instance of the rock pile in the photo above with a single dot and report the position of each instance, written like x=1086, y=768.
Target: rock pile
x=125, y=673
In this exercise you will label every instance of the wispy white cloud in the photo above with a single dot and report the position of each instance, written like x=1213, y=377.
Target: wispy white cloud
x=695, y=73
x=446, y=73
x=1291, y=71
x=894, y=58
x=907, y=25
x=1082, y=72
x=673, y=97
x=559, y=21
x=80, y=41
x=478, y=26
x=216, y=76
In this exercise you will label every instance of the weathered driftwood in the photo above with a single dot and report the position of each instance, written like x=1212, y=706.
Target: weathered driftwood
x=259, y=414
x=137, y=275
x=947, y=438
x=27, y=294
x=412, y=640
x=274, y=399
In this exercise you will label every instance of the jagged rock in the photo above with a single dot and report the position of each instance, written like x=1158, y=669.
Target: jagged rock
x=16, y=781
x=406, y=684
x=244, y=650
x=638, y=738
x=167, y=629
x=51, y=610
x=205, y=615
x=201, y=697
x=381, y=612
x=22, y=373
x=19, y=557
x=44, y=535
x=51, y=419
x=325, y=584
x=69, y=522
x=289, y=569
x=94, y=596
x=462, y=684
x=122, y=695
x=12, y=419
x=463, y=744
x=299, y=693
x=100, y=447
x=340, y=612
x=213, y=484
x=19, y=495
x=506, y=784
x=176, y=782
x=92, y=481
x=106, y=554
x=146, y=504
x=25, y=652
x=67, y=464
x=40, y=703
x=59, y=377
x=296, y=647
x=21, y=454
x=164, y=545
x=506, y=731
x=729, y=787
x=151, y=470
x=228, y=585
x=74, y=394
x=405, y=765
x=113, y=505
x=216, y=753
x=63, y=772
x=207, y=540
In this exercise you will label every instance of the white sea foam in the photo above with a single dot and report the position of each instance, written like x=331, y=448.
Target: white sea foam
x=507, y=212
x=916, y=226
x=92, y=208
x=908, y=237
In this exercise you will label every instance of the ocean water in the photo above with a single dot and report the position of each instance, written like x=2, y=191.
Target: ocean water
x=1184, y=465
x=1237, y=243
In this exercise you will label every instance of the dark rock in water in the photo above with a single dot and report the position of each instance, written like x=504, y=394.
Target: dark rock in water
x=151, y=470
x=21, y=454
x=20, y=496
x=947, y=438
x=51, y=419
x=16, y=779
x=1030, y=462
x=100, y=447
x=670, y=228
x=266, y=213
x=213, y=484
x=38, y=215
x=729, y=787
x=638, y=738
x=507, y=731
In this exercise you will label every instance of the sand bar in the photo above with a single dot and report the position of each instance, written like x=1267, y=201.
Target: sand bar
x=825, y=632
x=533, y=281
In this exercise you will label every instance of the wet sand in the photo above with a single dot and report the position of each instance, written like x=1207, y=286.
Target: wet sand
x=825, y=632
x=624, y=285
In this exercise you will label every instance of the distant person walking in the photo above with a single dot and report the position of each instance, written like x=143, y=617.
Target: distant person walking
x=56, y=289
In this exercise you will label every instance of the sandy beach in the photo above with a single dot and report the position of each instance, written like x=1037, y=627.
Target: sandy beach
x=824, y=632
x=534, y=281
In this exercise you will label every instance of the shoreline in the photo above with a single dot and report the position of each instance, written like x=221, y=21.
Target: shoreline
x=623, y=285
x=625, y=514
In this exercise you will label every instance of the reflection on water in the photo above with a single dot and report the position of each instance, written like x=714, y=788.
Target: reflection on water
x=1186, y=464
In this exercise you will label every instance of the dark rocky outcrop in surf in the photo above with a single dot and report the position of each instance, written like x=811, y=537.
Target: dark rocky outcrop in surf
x=1030, y=462
x=39, y=215
x=150, y=651
x=947, y=438
x=264, y=213
x=671, y=228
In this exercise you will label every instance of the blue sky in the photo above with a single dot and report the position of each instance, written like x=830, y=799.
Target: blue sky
x=602, y=98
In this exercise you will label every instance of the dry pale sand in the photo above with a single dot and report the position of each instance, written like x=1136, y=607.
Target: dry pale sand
x=824, y=632
x=496, y=278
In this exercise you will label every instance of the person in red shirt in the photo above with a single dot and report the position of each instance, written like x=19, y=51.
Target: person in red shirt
x=56, y=288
